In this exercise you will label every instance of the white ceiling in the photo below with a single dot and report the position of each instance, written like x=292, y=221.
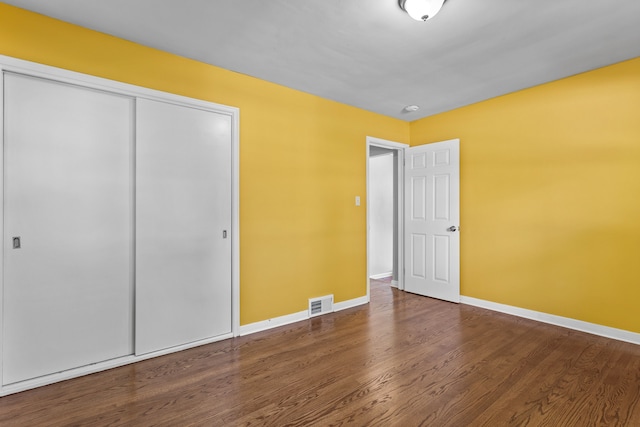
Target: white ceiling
x=369, y=53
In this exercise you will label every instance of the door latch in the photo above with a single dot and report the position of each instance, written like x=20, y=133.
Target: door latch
x=16, y=242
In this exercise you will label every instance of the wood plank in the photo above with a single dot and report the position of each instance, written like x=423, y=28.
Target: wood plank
x=401, y=360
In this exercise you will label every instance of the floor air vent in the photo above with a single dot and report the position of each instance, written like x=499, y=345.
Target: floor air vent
x=322, y=305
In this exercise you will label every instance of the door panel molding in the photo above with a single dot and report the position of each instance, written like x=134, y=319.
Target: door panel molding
x=433, y=213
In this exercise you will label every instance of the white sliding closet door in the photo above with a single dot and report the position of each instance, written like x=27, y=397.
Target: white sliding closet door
x=183, y=225
x=68, y=296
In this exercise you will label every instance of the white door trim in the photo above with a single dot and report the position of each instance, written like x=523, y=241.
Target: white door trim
x=399, y=147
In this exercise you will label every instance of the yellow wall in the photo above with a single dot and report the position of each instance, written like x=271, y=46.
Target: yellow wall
x=550, y=195
x=302, y=160
x=550, y=179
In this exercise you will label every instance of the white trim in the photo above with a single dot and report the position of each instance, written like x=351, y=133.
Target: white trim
x=101, y=366
x=264, y=325
x=2, y=236
x=343, y=305
x=378, y=142
x=394, y=283
x=385, y=143
x=381, y=275
x=287, y=319
x=71, y=77
x=235, y=223
x=565, y=322
x=20, y=66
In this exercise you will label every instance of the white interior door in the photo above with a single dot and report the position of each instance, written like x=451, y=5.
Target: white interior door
x=183, y=225
x=432, y=218
x=68, y=293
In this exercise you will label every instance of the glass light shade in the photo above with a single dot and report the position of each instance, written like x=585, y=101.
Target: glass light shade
x=421, y=10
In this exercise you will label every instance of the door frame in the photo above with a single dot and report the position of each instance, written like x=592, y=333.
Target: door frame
x=75, y=78
x=399, y=231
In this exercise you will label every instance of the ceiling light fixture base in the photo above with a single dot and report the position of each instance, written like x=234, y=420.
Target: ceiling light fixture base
x=421, y=10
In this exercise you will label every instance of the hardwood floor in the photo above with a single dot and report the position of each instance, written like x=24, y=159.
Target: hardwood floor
x=403, y=360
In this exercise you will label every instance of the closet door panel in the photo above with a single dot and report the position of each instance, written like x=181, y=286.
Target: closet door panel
x=68, y=295
x=183, y=207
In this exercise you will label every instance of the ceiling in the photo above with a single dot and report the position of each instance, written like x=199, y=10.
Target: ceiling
x=369, y=53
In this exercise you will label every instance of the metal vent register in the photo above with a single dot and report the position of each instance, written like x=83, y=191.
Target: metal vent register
x=321, y=305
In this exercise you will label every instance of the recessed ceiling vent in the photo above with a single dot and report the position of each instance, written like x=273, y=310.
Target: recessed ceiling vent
x=321, y=305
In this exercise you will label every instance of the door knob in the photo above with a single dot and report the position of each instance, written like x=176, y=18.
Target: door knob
x=453, y=228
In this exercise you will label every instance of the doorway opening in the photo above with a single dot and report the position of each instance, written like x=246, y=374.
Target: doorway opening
x=385, y=161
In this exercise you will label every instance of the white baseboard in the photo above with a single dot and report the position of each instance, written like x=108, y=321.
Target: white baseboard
x=263, y=325
x=100, y=366
x=287, y=319
x=343, y=305
x=381, y=275
x=565, y=322
x=394, y=283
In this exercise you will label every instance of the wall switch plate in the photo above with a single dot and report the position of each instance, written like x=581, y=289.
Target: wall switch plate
x=357, y=200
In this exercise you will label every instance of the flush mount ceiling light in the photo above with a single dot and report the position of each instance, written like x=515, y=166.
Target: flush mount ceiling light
x=421, y=10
